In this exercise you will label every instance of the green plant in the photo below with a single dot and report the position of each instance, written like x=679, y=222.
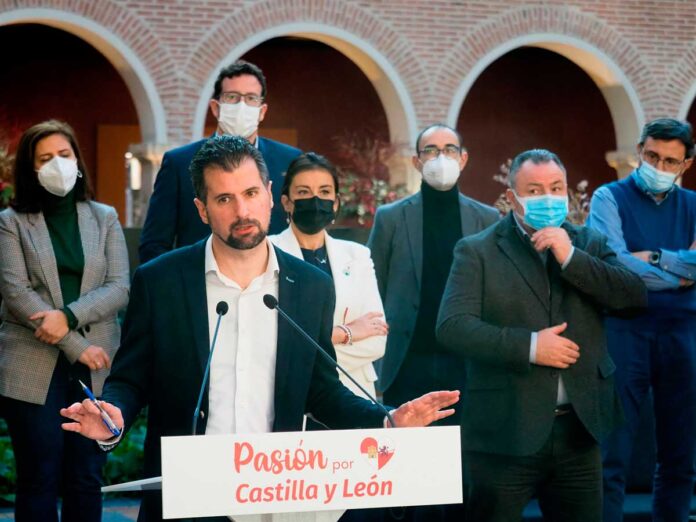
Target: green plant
x=364, y=176
x=8, y=470
x=6, y=188
x=360, y=196
x=123, y=464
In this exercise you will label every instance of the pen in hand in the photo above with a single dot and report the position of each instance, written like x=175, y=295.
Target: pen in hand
x=105, y=416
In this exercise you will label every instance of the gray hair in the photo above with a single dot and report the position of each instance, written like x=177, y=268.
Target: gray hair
x=536, y=156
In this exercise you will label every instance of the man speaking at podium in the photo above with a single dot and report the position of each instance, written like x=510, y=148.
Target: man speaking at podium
x=264, y=376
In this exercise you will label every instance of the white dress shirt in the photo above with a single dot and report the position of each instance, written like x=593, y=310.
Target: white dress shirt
x=242, y=373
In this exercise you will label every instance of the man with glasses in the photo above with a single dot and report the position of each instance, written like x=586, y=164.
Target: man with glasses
x=238, y=104
x=650, y=223
x=411, y=243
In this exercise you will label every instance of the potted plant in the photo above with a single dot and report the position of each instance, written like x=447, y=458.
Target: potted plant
x=364, y=183
x=6, y=187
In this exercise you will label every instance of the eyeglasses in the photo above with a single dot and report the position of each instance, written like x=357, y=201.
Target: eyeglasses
x=672, y=165
x=431, y=151
x=234, y=98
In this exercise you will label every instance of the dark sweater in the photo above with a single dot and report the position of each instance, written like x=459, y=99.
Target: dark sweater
x=442, y=228
x=647, y=225
x=60, y=214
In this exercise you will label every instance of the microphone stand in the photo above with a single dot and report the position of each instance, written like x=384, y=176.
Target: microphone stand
x=272, y=303
x=221, y=310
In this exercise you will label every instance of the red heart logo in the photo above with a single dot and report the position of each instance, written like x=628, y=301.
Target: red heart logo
x=378, y=453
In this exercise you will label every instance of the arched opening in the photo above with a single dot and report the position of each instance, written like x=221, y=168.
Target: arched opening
x=689, y=179
x=535, y=98
x=150, y=126
x=341, y=112
x=318, y=99
x=74, y=83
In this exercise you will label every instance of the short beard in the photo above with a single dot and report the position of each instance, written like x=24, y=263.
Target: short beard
x=247, y=242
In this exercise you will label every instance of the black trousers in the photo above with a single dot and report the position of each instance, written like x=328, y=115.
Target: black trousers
x=52, y=462
x=419, y=374
x=565, y=474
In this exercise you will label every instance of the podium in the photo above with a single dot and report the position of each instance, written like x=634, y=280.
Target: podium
x=280, y=476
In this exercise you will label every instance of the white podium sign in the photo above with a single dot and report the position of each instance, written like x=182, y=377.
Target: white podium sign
x=219, y=475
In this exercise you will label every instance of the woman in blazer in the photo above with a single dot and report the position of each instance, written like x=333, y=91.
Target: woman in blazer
x=63, y=279
x=310, y=197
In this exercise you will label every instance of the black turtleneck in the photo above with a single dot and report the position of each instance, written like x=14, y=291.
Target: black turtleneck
x=60, y=214
x=442, y=228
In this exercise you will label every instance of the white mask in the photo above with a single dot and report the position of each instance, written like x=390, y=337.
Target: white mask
x=441, y=173
x=59, y=175
x=239, y=119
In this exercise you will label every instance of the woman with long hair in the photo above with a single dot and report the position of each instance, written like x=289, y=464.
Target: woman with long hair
x=63, y=278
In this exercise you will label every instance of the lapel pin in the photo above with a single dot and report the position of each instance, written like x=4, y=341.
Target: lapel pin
x=289, y=280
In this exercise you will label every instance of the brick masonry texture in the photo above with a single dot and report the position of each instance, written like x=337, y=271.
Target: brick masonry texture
x=432, y=45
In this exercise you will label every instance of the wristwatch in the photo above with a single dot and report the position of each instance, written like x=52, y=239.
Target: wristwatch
x=655, y=258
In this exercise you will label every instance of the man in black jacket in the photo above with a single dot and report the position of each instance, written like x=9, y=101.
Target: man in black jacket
x=523, y=308
x=264, y=375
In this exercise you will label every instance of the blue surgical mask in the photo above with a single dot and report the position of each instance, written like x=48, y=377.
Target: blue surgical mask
x=653, y=180
x=544, y=211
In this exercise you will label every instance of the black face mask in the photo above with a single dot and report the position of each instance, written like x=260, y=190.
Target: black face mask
x=313, y=215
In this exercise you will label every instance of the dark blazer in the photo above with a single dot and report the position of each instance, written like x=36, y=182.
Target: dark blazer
x=396, y=244
x=497, y=294
x=165, y=345
x=172, y=219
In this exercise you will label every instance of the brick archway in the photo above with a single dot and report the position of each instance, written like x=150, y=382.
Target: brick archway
x=613, y=62
x=683, y=81
x=123, y=40
x=381, y=53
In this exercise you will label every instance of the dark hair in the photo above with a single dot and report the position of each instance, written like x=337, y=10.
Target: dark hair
x=227, y=153
x=239, y=68
x=28, y=192
x=536, y=156
x=437, y=126
x=305, y=162
x=670, y=129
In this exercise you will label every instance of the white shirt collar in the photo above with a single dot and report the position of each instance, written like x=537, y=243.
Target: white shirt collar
x=211, y=265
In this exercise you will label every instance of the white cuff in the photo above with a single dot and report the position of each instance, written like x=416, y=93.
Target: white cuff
x=109, y=444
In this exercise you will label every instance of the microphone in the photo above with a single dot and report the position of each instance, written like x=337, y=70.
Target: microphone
x=221, y=309
x=272, y=303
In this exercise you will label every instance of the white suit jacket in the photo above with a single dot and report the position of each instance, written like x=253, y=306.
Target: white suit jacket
x=357, y=292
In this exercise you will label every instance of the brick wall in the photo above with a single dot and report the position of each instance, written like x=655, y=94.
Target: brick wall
x=432, y=45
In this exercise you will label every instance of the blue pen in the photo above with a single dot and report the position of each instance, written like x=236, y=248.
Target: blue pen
x=105, y=416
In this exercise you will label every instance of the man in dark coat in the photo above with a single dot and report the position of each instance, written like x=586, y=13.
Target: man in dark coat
x=264, y=375
x=523, y=308
x=238, y=104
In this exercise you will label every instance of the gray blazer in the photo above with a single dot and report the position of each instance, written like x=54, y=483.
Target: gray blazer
x=29, y=283
x=396, y=243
